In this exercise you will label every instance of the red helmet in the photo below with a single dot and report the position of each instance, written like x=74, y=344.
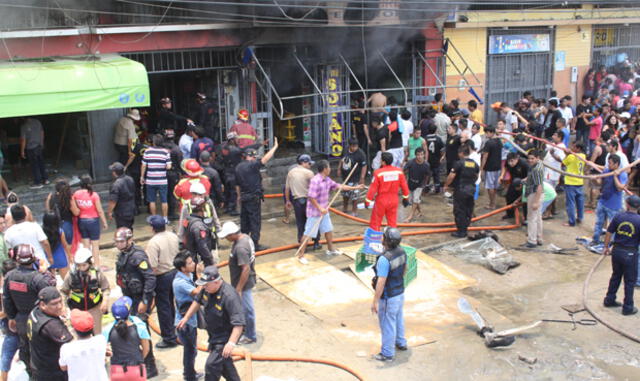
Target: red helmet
x=192, y=168
x=25, y=254
x=243, y=114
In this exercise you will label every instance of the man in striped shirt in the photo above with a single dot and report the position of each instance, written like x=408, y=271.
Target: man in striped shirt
x=156, y=161
x=534, y=191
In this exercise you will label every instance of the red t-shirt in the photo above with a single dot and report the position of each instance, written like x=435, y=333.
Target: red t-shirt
x=87, y=203
x=596, y=129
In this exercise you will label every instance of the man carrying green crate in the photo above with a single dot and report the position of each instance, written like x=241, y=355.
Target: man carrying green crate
x=388, y=301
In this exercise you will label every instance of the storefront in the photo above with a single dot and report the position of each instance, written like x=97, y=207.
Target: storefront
x=614, y=44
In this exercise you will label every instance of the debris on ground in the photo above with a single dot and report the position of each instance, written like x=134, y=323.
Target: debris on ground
x=528, y=360
x=486, y=252
x=552, y=249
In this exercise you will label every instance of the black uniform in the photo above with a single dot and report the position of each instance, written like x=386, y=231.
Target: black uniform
x=466, y=171
x=206, y=116
x=216, y=184
x=625, y=227
x=223, y=311
x=200, y=240
x=249, y=180
x=21, y=287
x=137, y=281
x=435, y=147
x=173, y=176
x=46, y=336
x=169, y=120
x=359, y=122
x=519, y=171
x=134, y=170
x=231, y=156
x=123, y=193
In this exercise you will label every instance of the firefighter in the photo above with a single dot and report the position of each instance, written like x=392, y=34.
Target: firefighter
x=173, y=174
x=87, y=288
x=386, y=182
x=210, y=216
x=194, y=173
x=200, y=235
x=246, y=134
x=231, y=156
x=20, y=292
x=137, y=281
x=463, y=176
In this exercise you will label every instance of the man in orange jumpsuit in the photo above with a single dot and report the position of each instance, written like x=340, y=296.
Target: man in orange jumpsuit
x=246, y=134
x=384, y=188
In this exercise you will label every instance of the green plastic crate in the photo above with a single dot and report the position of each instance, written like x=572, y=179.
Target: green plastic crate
x=411, y=274
x=365, y=260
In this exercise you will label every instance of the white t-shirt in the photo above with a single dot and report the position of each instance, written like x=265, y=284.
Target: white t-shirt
x=477, y=142
x=85, y=359
x=27, y=233
x=567, y=114
x=407, y=126
x=552, y=162
x=624, y=161
x=475, y=156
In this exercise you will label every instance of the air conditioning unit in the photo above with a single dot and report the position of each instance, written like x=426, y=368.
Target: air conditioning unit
x=387, y=13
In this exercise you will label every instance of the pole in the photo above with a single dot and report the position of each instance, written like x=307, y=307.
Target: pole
x=317, y=224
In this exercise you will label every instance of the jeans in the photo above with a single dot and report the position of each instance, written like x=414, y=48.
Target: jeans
x=574, y=198
x=154, y=190
x=582, y=135
x=602, y=214
x=249, y=315
x=189, y=338
x=9, y=347
x=165, y=305
x=391, y=324
x=36, y=159
x=625, y=265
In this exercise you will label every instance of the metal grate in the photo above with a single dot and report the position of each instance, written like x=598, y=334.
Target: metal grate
x=611, y=40
x=184, y=60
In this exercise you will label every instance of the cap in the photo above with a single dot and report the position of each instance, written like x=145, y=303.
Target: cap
x=48, y=294
x=228, y=228
x=353, y=141
x=81, y=321
x=197, y=188
x=165, y=100
x=120, y=308
x=496, y=105
x=169, y=133
x=123, y=234
x=82, y=255
x=156, y=221
x=205, y=156
x=625, y=115
x=251, y=152
x=209, y=274
x=116, y=167
x=231, y=135
x=634, y=201
x=191, y=167
x=134, y=114
x=304, y=158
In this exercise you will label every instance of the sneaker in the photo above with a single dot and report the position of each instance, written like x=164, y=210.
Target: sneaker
x=529, y=245
x=261, y=248
x=539, y=243
x=47, y=182
x=199, y=375
x=303, y=260
x=383, y=358
x=459, y=234
x=632, y=312
x=333, y=252
x=36, y=186
x=401, y=347
x=245, y=341
x=316, y=246
x=166, y=344
x=614, y=304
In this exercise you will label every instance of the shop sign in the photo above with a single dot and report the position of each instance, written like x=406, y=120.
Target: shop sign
x=603, y=37
x=332, y=84
x=519, y=43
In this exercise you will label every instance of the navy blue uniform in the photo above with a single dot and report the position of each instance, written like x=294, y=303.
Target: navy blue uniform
x=624, y=257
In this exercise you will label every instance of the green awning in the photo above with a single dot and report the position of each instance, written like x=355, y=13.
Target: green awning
x=71, y=85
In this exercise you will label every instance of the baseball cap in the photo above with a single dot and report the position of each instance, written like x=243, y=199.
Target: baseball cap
x=120, y=309
x=251, y=152
x=353, y=141
x=156, y=221
x=228, y=228
x=634, y=201
x=81, y=321
x=197, y=188
x=48, y=294
x=304, y=158
x=209, y=274
x=116, y=167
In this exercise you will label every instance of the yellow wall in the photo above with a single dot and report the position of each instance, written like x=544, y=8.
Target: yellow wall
x=472, y=45
x=575, y=41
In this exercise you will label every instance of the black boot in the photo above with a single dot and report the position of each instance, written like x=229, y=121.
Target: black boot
x=150, y=364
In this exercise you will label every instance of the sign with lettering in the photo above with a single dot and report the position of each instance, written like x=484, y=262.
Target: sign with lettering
x=336, y=131
x=519, y=43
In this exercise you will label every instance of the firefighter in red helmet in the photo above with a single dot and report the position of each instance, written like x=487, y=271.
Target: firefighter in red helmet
x=246, y=134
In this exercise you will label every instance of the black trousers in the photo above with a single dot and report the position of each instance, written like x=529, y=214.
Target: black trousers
x=24, y=353
x=135, y=175
x=36, y=160
x=511, y=196
x=165, y=306
x=150, y=360
x=126, y=222
x=463, y=204
x=625, y=266
x=230, y=194
x=173, y=177
x=300, y=211
x=217, y=366
x=435, y=174
x=251, y=217
x=123, y=153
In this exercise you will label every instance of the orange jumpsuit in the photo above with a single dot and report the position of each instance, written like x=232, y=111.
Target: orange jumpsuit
x=386, y=182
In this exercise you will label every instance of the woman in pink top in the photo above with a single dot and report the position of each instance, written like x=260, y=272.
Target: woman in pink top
x=595, y=127
x=87, y=207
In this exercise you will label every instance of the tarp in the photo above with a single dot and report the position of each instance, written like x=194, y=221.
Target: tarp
x=61, y=85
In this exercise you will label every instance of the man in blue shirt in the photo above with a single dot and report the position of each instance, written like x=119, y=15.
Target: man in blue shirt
x=184, y=291
x=625, y=229
x=389, y=295
x=561, y=125
x=610, y=201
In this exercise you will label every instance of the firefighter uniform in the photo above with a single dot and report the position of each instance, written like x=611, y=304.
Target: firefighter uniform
x=246, y=133
x=86, y=294
x=46, y=335
x=466, y=171
x=21, y=287
x=201, y=239
x=384, y=188
x=182, y=190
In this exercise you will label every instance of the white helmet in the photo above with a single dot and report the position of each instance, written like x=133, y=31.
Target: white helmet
x=197, y=188
x=82, y=255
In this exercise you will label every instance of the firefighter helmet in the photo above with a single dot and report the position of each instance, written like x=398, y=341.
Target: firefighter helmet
x=192, y=168
x=243, y=114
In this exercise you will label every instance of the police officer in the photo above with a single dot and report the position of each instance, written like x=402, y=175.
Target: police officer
x=201, y=240
x=21, y=287
x=168, y=120
x=225, y=320
x=137, y=281
x=47, y=332
x=133, y=169
x=206, y=116
x=230, y=156
x=463, y=177
x=388, y=300
x=122, y=197
x=250, y=193
x=173, y=174
x=625, y=227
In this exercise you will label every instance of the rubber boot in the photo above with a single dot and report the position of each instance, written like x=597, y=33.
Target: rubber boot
x=150, y=364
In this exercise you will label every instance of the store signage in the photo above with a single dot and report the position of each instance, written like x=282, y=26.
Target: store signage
x=519, y=43
x=332, y=84
x=603, y=37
